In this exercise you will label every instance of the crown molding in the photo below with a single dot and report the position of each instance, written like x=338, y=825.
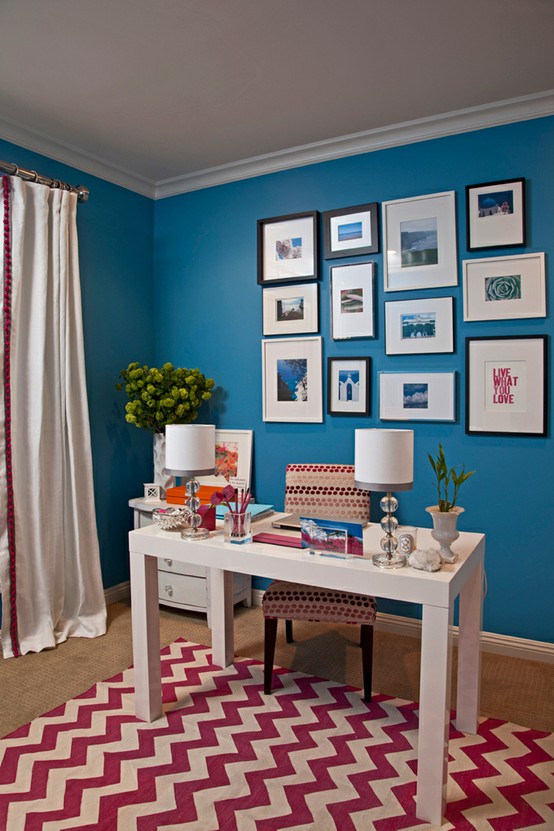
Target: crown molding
x=408, y=132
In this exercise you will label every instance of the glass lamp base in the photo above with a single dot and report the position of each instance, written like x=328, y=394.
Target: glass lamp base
x=193, y=534
x=393, y=560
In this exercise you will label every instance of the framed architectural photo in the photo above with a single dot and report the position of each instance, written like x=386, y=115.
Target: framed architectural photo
x=419, y=326
x=351, y=231
x=352, y=314
x=506, y=385
x=348, y=386
x=291, y=379
x=417, y=396
x=287, y=248
x=503, y=288
x=419, y=240
x=233, y=458
x=495, y=214
x=290, y=309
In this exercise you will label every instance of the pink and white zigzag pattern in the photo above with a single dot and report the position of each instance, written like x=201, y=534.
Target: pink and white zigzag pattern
x=224, y=757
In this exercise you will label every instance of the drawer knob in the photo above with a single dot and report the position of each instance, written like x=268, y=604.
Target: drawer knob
x=169, y=562
x=168, y=590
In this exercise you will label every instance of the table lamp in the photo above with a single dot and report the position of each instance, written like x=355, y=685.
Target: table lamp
x=190, y=452
x=384, y=461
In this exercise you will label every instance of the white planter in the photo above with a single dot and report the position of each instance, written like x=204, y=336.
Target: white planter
x=444, y=530
x=160, y=476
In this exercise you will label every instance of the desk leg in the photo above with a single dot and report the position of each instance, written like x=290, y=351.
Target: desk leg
x=434, y=713
x=146, y=637
x=221, y=616
x=469, y=653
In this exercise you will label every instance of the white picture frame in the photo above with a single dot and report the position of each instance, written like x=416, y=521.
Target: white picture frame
x=504, y=288
x=233, y=458
x=352, y=304
x=292, y=387
x=419, y=242
x=417, y=396
x=291, y=309
x=495, y=214
x=419, y=326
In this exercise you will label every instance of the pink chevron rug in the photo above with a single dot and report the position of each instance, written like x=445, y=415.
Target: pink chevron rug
x=227, y=758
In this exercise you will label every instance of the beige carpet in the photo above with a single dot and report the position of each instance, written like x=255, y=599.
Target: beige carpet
x=514, y=690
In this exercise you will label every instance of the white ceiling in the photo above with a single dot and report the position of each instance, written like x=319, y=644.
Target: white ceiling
x=168, y=95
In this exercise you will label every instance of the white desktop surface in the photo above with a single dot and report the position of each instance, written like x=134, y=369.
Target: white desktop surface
x=436, y=592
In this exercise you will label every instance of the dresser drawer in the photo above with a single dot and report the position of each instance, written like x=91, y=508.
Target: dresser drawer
x=182, y=589
x=181, y=568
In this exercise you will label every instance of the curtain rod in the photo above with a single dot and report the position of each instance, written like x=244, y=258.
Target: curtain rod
x=32, y=176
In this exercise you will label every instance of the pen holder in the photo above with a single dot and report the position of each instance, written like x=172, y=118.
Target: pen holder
x=236, y=527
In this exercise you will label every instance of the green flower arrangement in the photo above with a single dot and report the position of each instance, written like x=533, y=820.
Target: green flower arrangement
x=168, y=395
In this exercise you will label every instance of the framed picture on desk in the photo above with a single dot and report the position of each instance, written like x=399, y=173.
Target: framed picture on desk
x=233, y=458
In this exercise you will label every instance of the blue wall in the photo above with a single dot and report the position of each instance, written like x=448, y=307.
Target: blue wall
x=208, y=313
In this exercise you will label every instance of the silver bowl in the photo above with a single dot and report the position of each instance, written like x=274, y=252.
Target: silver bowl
x=170, y=519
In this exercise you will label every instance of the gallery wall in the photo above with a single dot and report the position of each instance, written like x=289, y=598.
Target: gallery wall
x=208, y=314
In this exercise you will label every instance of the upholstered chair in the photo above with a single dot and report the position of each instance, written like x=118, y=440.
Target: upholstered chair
x=323, y=491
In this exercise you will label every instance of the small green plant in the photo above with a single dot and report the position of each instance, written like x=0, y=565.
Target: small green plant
x=445, y=477
x=169, y=395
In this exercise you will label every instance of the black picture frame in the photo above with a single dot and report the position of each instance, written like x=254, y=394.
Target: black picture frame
x=362, y=239
x=359, y=406
x=499, y=401
x=288, y=248
x=495, y=214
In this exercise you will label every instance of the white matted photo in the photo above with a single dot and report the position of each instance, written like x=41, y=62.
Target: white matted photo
x=351, y=231
x=419, y=241
x=495, y=213
x=348, y=386
x=233, y=458
x=503, y=288
x=417, y=396
x=290, y=309
x=352, y=313
x=287, y=248
x=419, y=326
x=292, y=379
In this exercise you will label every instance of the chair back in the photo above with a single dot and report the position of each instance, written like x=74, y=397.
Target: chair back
x=325, y=491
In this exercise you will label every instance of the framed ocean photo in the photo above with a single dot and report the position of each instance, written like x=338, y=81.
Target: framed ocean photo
x=292, y=385
x=291, y=309
x=419, y=326
x=349, y=232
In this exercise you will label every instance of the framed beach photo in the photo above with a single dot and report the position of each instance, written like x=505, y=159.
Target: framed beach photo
x=419, y=326
x=506, y=385
x=348, y=386
x=349, y=232
x=233, y=458
x=417, y=396
x=291, y=379
x=290, y=309
x=503, y=288
x=495, y=213
x=287, y=248
x=352, y=312
x=419, y=240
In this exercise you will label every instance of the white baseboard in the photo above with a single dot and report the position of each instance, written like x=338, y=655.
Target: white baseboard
x=397, y=625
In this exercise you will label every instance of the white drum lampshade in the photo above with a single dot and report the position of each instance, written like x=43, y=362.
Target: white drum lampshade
x=190, y=449
x=384, y=460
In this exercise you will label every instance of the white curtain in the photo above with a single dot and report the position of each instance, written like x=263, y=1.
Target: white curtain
x=50, y=568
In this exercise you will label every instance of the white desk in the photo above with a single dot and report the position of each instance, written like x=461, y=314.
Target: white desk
x=435, y=592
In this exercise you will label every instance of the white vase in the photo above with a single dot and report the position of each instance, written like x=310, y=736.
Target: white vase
x=160, y=476
x=444, y=530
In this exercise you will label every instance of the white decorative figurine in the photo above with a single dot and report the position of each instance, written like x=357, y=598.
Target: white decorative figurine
x=425, y=560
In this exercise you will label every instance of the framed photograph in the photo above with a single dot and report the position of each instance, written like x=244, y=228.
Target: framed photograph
x=290, y=309
x=233, y=458
x=506, y=385
x=351, y=231
x=417, y=396
x=503, y=288
x=495, y=214
x=348, y=386
x=352, y=314
x=287, y=248
x=419, y=240
x=332, y=537
x=419, y=326
x=291, y=379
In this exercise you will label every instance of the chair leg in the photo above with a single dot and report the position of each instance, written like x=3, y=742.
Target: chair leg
x=288, y=631
x=366, y=642
x=270, y=637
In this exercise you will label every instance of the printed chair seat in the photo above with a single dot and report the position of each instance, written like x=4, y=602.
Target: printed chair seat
x=296, y=601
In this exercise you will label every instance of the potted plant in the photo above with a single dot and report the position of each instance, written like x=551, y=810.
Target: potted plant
x=445, y=513
x=160, y=396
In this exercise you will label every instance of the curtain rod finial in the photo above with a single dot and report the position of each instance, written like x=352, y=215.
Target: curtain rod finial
x=83, y=193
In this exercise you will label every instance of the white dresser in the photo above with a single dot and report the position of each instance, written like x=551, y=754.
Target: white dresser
x=186, y=586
